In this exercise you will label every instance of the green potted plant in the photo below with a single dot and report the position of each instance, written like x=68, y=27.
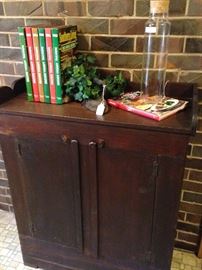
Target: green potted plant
x=82, y=76
x=80, y=83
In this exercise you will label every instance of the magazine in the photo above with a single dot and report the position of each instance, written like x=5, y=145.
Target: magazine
x=135, y=103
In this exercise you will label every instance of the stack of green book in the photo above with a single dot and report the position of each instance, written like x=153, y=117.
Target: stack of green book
x=47, y=53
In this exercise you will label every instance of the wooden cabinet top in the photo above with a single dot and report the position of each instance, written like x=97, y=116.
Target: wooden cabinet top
x=183, y=122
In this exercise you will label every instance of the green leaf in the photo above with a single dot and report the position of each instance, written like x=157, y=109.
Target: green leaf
x=82, y=69
x=78, y=96
x=91, y=59
x=81, y=87
x=89, y=83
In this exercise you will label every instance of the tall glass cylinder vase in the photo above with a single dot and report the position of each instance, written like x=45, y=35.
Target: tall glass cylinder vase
x=157, y=31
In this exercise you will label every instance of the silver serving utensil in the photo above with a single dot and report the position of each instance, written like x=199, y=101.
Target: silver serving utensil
x=102, y=106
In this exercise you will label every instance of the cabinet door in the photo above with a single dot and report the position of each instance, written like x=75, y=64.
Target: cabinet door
x=124, y=184
x=49, y=175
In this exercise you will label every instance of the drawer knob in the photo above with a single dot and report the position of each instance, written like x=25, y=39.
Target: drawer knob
x=101, y=143
x=92, y=144
x=64, y=138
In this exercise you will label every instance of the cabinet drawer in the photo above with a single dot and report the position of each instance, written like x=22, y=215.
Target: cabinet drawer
x=154, y=142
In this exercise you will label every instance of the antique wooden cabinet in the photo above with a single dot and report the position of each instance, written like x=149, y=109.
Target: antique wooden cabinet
x=95, y=193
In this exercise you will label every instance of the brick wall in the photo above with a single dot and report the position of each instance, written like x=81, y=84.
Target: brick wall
x=113, y=30
x=5, y=198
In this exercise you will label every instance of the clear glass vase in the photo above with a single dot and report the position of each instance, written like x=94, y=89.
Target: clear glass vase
x=157, y=31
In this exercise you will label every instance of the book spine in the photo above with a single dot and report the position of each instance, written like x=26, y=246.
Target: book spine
x=64, y=40
x=23, y=45
x=30, y=48
x=57, y=66
x=38, y=62
x=49, y=52
x=44, y=64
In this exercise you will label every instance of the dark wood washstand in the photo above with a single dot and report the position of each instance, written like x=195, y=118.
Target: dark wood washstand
x=94, y=193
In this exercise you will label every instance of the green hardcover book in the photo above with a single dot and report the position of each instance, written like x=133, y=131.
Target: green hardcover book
x=23, y=45
x=64, y=40
x=44, y=65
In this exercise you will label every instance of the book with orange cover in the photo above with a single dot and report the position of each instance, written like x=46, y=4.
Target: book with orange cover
x=147, y=107
x=30, y=48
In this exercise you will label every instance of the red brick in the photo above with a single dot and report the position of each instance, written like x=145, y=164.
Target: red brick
x=44, y=20
x=90, y=25
x=126, y=61
x=191, y=238
x=192, y=197
x=175, y=8
x=10, y=24
x=122, y=44
x=7, y=68
x=175, y=45
x=185, y=246
x=191, y=208
x=14, y=40
x=194, y=218
x=192, y=228
x=10, y=54
x=4, y=39
x=63, y=8
x=19, y=8
x=181, y=215
x=127, y=26
x=195, y=8
x=142, y=8
x=186, y=62
x=186, y=27
x=194, y=45
x=110, y=8
x=83, y=43
x=192, y=186
x=193, y=163
x=19, y=69
x=197, y=151
x=195, y=175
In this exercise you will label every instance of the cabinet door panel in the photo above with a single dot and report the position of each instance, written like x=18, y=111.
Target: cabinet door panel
x=52, y=190
x=126, y=201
